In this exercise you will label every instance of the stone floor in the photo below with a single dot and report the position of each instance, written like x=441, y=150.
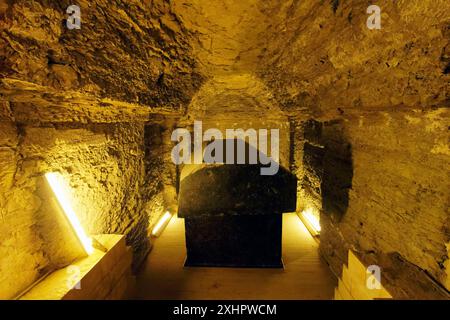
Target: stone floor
x=305, y=276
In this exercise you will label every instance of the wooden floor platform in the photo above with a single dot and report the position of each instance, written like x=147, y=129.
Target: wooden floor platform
x=305, y=275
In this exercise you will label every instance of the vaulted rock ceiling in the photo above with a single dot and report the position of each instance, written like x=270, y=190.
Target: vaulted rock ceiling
x=315, y=56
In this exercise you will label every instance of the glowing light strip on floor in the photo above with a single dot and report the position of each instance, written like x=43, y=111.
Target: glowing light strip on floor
x=311, y=220
x=161, y=223
x=58, y=186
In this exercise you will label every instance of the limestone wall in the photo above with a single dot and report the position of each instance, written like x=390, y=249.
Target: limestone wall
x=321, y=58
x=77, y=102
x=389, y=199
x=104, y=165
x=398, y=197
x=121, y=50
x=376, y=163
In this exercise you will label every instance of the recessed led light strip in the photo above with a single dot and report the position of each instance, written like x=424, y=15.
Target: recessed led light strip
x=58, y=186
x=311, y=222
x=161, y=224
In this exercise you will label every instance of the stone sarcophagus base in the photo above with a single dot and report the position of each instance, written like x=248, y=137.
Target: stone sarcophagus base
x=234, y=241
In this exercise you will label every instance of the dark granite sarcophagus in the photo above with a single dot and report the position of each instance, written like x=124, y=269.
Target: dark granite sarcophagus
x=233, y=214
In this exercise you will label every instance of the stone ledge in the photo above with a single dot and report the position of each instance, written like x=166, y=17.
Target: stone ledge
x=31, y=103
x=102, y=275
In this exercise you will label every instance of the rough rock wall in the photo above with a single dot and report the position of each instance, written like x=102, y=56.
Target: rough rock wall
x=379, y=175
x=239, y=101
x=104, y=165
x=229, y=35
x=75, y=101
x=391, y=194
x=321, y=58
x=381, y=183
x=152, y=191
x=159, y=192
x=121, y=51
x=308, y=157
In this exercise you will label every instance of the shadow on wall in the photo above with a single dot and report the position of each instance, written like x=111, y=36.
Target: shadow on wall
x=328, y=166
x=337, y=169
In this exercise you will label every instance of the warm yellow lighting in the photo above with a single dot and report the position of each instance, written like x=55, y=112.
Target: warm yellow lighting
x=161, y=223
x=311, y=220
x=60, y=190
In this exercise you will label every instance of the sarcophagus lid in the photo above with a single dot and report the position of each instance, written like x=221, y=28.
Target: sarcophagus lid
x=235, y=189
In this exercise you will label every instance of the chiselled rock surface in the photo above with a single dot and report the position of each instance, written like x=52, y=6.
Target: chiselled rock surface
x=124, y=51
x=104, y=166
x=382, y=96
x=321, y=58
x=389, y=196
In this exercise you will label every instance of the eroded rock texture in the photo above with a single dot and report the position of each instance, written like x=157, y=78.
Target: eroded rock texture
x=363, y=116
x=379, y=175
x=130, y=64
x=124, y=49
x=104, y=164
x=321, y=57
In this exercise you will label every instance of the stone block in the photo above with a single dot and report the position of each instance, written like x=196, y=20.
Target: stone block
x=96, y=276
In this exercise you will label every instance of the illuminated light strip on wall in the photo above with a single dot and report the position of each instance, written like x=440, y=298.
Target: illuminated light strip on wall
x=58, y=186
x=311, y=221
x=161, y=224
